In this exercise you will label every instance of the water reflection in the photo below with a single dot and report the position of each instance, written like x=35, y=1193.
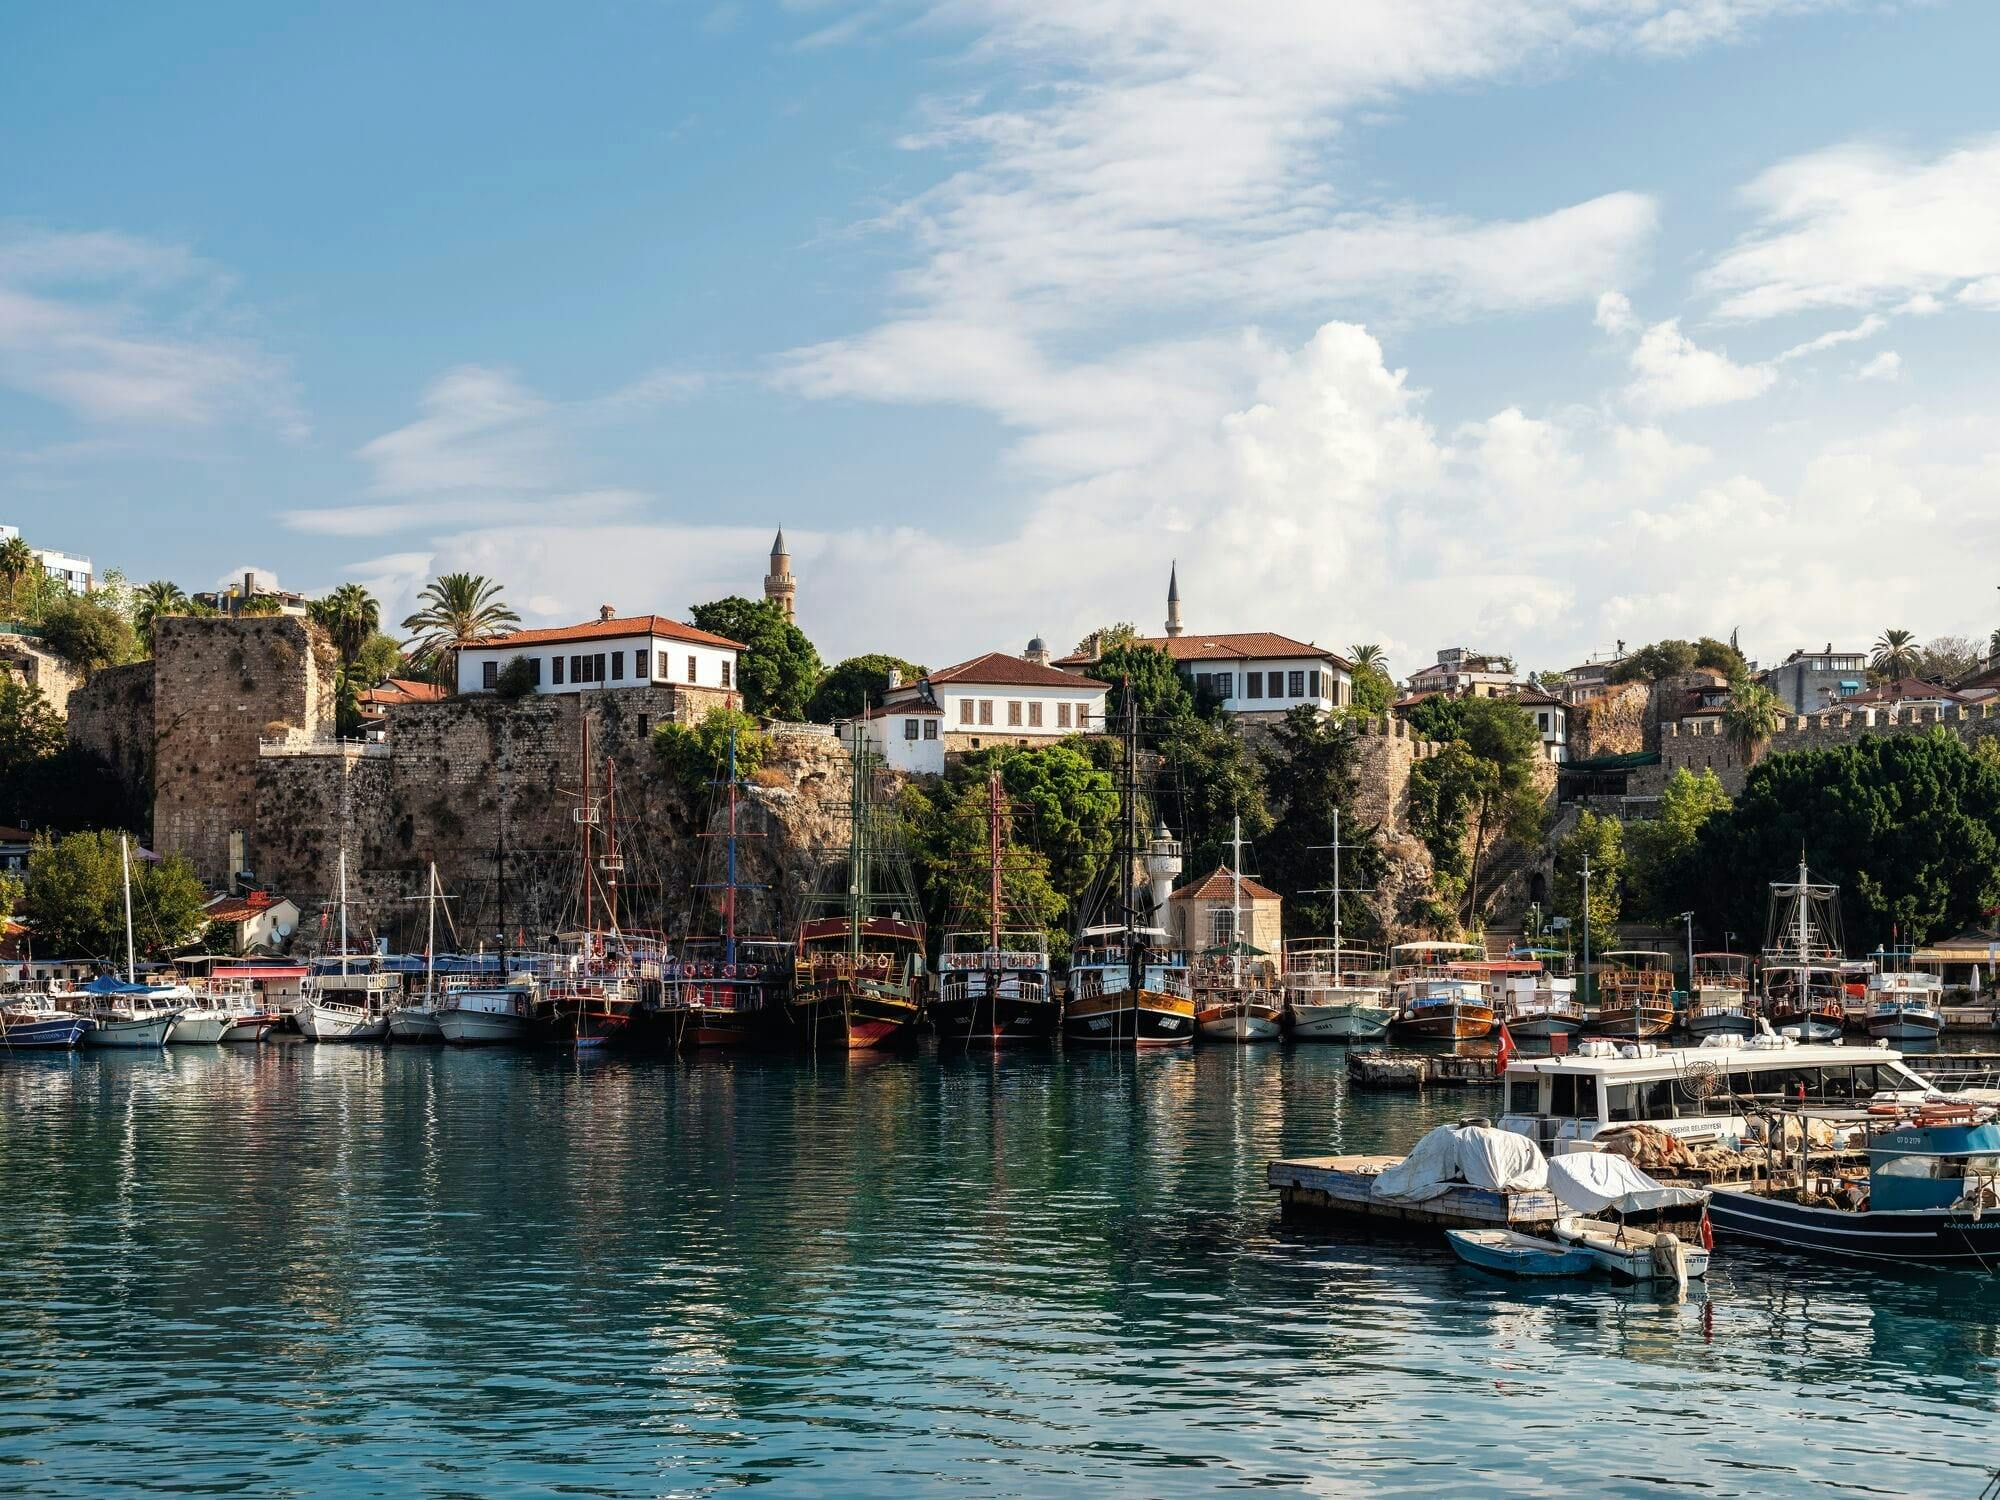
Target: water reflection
x=315, y=1268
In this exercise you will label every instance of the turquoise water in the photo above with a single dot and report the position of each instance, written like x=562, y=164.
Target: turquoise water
x=319, y=1270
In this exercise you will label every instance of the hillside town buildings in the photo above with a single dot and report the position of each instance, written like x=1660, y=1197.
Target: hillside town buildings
x=1807, y=681
x=72, y=572
x=607, y=653
x=995, y=699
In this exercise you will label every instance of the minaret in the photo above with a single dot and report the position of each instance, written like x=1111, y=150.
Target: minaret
x=1174, y=600
x=779, y=585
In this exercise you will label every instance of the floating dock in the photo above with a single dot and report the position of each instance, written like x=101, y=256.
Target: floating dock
x=1420, y=1070
x=1340, y=1188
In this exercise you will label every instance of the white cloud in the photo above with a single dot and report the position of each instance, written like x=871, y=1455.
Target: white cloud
x=481, y=429
x=121, y=330
x=1867, y=328
x=1676, y=374
x=1983, y=293
x=1888, y=365
x=1862, y=226
x=1614, y=314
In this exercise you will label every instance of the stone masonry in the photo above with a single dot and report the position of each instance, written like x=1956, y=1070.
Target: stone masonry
x=1704, y=746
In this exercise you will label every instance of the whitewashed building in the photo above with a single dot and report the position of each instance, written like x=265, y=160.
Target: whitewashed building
x=1461, y=672
x=72, y=572
x=613, y=651
x=995, y=699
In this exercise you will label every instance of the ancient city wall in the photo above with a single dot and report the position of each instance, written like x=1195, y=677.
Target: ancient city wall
x=1705, y=746
x=111, y=716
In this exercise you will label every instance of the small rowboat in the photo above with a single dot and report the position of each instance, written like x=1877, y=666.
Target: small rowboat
x=1514, y=1254
x=1634, y=1254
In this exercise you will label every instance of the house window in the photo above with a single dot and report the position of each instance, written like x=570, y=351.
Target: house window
x=618, y=666
x=930, y=729
x=1013, y=713
x=909, y=729
x=1221, y=927
x=965, y=710
x=666, y=668
x=692, y=677
x=535, y=670
x=639, y=665
x=986, y=710
x=726, y=665
x=555, y=671
x=1312, y=684
x=1062, y=716
x=1035, y=715
x=1543, y=720
x=597, y=667
x=1225, y=685
x=576, y=669
x=489, y=674
x=1277, y=684
x=1297, y=684
x=1253, y=684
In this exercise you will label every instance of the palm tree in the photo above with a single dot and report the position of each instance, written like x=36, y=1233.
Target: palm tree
x=155, y=601
x=1751, y=718
x=1896, y=654
x=454, y=609
x=349, y=615
x=1370, y=655
x=17, y=562
x=1993, y=645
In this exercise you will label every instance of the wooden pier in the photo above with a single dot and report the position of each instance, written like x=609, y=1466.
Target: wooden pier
x=1420, y=1070
x=1340, y=1188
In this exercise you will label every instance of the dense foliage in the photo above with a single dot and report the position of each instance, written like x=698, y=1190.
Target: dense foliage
x=847, y=687
x=88, y=632
x=1908, y=826
x=1488, y=792
x=779, y=667
x=1602, y=839
x=697, y=755
x=452, y=609
x=74, y=899
x=1675, y=658
x=45, y=782
x=1309, y=773
x=1657, y=848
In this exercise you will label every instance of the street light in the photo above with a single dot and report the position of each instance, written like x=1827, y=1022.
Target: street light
x=1688, y=917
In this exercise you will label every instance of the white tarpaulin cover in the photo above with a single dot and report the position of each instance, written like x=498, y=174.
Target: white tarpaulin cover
x=1592, y=1180
x=1474, y=1155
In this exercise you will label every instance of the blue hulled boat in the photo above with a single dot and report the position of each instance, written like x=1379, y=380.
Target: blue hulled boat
x=35, y=1023
x=1513, y=1254
x=1931, y=1196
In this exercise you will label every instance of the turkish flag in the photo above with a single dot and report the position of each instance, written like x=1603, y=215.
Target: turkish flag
x=1506, y=1046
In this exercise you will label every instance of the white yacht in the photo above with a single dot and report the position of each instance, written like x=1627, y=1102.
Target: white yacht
x=353, y=1004
x=490, y=1014
x=1334, y=993
x=1905, y=1006
x=124, y=1012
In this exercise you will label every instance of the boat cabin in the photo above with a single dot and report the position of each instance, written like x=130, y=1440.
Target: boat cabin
x=1697, y=1093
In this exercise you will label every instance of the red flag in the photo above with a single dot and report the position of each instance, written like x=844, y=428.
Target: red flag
x=1506, y=1046
x=1707, y=1231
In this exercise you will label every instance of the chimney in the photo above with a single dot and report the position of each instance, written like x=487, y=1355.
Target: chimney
x=895, y=678
x=249, y=584
x=1090, y=645
x=606, y=612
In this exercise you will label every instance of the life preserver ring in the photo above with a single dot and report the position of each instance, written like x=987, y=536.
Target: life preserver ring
x=729, y=971
x=749, y=971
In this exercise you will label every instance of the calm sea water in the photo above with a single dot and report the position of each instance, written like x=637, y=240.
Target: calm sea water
x=320, y=1270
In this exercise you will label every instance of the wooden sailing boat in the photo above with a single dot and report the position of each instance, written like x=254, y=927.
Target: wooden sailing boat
x=1323, y=1003
x=858, y=966
x=993, y=980
x=1804, y=989
x=1236, y=995
x=1128, y=986
x=590, y=998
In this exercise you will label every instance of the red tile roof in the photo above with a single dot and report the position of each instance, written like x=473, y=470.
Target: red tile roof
x=597, y=630
x=403, y=690
x=1244, y=645
x=998, y=669
x=1220, y=885
x=240, y=908
x=1907, y=690
x=913, y=709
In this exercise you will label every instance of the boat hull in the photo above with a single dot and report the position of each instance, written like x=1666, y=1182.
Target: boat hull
x=857, y=1018
x=1511, y=1254
x=322, y=1023
x=129, y=1031
x=414, y=1024
x=1907, y=1026
x=1923, y=1237
x=1339, y=1022
x=199, y=1028
x=995, y=1021
x=1721, y=1023
x=1451, y=1023
x=1624, y=1023
x=1630, y=1259
x=249, y=1028
x=483, y=1028
x=1238, y=1021
x=1151, y=1019
x=56, y=1032
x=1545, y=1026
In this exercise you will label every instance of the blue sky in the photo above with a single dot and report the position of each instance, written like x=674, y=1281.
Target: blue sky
x=1527, y=324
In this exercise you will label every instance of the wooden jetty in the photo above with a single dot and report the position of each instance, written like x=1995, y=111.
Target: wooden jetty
x=1320, y=1188
x=1420, y=1070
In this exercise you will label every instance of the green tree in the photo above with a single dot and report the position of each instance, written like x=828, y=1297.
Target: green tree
x=30, y=730
x=1374, y=691
x=1908, y=826
x=848, y=686
x=1445, y=791
x=1895, y=655
x=18, y=564
x=946, y=834
x=1720, y=656
x=1369, y=655
x=379, y=659
x=1751, y=717
x=1106, y=636
x=1670, y=658
x=516, y=680
x=693, y=756
x=155, y=601
x=350, y=616
x=1950, y=657
x=454, y=608
x=1602, y=839
x=1064, y=803
x=75, y=903
x=1502, y=735
x=1657, y=847
x=10, y=895
x=779, y=668
x=1309, y=771
x=88, y=633
x=1157, y=685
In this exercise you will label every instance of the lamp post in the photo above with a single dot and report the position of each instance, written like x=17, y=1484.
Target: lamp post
x=1688, y=917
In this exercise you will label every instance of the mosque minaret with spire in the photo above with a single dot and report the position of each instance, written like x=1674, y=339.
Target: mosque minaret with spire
x=1174, y=599
x=779, y=586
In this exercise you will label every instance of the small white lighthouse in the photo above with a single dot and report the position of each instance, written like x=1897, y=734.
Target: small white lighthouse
x=1163, y=867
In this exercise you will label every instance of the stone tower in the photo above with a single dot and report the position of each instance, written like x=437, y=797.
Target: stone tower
x=779, y=585
x=1174, y=600
x=1037, y=652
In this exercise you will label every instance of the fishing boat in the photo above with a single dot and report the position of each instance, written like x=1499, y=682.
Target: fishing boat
x=490, y=1015
x=125, y=1013
x=1805, y=988
x=858, y=965
x=1514, y=1254
x=350, y=1003
x=1631, y=1253
x=1928, y=1197
x=1635, y=994
x=1334, y=993
x=993, y=978
x=1433, y=1003
x=201, y=1022
x=245, y=1016
x=32, y=1022
x=1540, y=1001
x=1905, y=1005
x=1236, y=994
x=1719, y=998
x=417, y=1020
x=1128, y=984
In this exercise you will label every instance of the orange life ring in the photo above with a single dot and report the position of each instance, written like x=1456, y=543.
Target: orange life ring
x=729, y=971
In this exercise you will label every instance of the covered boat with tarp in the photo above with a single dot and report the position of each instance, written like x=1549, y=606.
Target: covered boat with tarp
x=1593, y=1184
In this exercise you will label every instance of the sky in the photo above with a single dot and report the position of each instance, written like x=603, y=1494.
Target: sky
x=1528, y=325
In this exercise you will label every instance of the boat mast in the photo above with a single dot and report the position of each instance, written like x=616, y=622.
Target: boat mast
x=1236, y=900
x=430, y=941
x=587, y=816
x=858, y=851
x=729, y=875
x=614, y=866
x=1586, y=927
x=343, y=907
x=1128, y=845
x=1336, y=898
x=125, y=874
